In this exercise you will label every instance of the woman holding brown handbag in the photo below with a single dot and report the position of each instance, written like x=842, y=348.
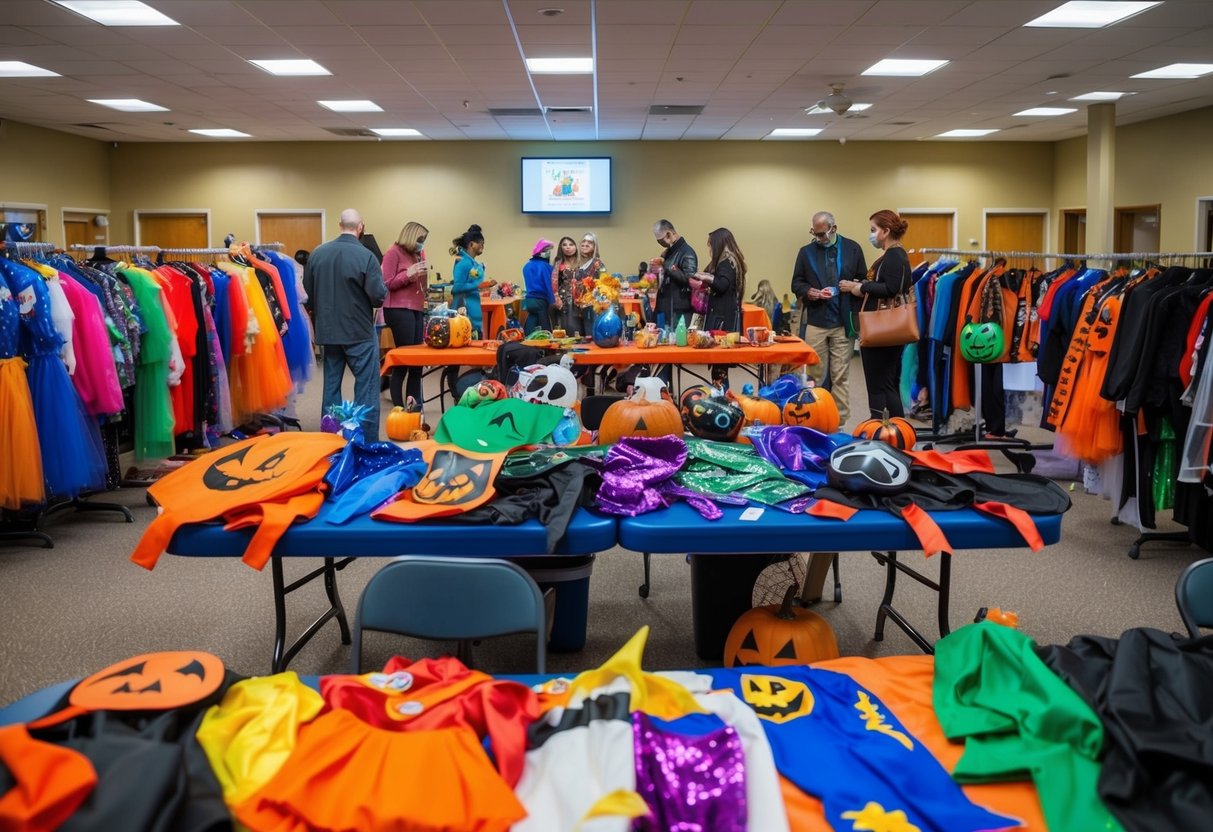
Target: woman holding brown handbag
x=888, y=278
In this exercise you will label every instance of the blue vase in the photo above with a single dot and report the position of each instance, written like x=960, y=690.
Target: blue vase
x=608, y=327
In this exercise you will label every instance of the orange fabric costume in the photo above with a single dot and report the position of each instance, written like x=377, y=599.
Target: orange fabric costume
x=346, y=774
x=441, y=693
x=51, y=781
x=266, y=481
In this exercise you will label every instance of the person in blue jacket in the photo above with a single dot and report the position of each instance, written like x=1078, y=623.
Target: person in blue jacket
x=537, y=278
x=468, y=274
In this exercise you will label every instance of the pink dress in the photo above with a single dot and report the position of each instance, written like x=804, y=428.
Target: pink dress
x=96, y=376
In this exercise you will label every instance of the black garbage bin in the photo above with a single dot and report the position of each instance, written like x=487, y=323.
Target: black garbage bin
x=569, y=578
x=722, y=588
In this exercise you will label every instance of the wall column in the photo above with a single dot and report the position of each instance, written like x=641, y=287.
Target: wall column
x=1101, y=175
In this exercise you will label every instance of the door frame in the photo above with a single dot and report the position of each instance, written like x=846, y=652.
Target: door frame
x=985, y=220
x=257, y=212
x=1204, y=208
x=40, y=208
x=1119, y=210
x=909, y=212
x=96, y=212
x=138, y=212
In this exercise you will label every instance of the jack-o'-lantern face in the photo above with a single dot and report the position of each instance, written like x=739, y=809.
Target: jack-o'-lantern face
x=244, y=467
x=154, y=681
x=812, y=407
x=454, y=479
x=981, y=343
x=776, y=699
x=438, y=333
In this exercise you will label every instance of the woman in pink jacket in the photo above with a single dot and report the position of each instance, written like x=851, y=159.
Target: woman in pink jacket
x=405, y=272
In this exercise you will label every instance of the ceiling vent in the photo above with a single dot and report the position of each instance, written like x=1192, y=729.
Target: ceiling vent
x=676, y=110
x=558, y=111
x=900, y=123
x=515, y=112
x=352, y=132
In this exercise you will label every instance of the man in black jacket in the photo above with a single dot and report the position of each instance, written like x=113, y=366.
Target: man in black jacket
x=825, y=313
x=674, y=292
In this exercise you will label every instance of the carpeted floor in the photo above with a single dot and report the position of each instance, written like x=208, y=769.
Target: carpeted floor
x=82, y=605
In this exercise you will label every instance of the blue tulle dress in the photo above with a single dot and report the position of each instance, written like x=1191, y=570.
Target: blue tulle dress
x=73, y=458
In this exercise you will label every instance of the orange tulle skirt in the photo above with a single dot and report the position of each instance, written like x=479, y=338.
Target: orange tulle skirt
x=21, y=483
x=260, y=379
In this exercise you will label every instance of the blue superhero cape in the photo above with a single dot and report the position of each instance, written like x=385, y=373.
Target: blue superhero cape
x=840, y=744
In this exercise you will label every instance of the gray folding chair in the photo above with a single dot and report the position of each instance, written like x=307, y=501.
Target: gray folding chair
x=1194, y=596
x=458, y=599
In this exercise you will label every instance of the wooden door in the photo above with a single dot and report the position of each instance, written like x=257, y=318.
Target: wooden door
x=1015, y=232
x=1074, y=231
x=294, y=231
x=1137, y=228
x=926, y=231
x=174, y=230
x=79, y=229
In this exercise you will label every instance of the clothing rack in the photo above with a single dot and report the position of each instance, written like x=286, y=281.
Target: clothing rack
x=22, y=248
x=116, y=249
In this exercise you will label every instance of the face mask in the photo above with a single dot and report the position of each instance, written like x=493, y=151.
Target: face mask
x=827, y=241
x=664, y=244
x=872, y=239
x=420, y=247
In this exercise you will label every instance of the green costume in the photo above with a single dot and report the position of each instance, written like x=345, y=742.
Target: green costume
x=1018, y=719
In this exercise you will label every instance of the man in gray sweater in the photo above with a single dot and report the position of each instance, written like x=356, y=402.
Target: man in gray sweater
x=344, y=286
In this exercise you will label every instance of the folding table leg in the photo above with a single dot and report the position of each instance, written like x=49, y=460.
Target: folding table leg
x=890, y=584
x=644, y=587
x=330, y=588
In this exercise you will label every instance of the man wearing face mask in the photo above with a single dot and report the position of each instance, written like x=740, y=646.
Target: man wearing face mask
x=679, y=264
x=826, y=314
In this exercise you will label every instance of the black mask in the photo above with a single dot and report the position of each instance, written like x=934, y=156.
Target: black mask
x=664, y=244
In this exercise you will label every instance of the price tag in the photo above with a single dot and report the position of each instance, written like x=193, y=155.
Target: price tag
x=752, y=513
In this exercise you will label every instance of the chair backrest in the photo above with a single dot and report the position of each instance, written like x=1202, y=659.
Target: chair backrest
x=1194, y=596
x=593, y=408
x=451, y=598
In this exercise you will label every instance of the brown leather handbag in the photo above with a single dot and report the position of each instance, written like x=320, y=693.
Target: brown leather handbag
x=893, y=322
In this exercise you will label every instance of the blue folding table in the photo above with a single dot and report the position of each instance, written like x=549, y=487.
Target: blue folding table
x=338, y=546
x=724, y=563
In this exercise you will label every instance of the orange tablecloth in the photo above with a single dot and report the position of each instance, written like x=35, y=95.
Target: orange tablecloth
x=751, y=314
x=790, y=353
x=494, y=313
x=476, y=354
x=484, y=354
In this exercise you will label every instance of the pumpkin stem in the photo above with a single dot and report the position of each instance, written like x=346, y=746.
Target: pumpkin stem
x=884, y=417
x=785, y=609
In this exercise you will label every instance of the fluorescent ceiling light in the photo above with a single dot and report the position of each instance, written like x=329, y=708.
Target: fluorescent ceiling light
x=20, y=69
x=825, y=111
x=352, y=106
x=221, y=133
x=906, y=68
x=1101, y=96
x=129, y=105
x=1177, y=71
x=395, y=132
x=567, y=66
x=964, y=134
x=118, y=12
x=1046, y=111
x=297, y=66
x=1089, y=14
x=793, y=132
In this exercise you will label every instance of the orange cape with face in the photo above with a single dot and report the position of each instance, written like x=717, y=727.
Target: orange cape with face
x=267, y=482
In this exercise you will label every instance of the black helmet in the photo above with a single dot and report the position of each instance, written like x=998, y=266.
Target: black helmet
x=869, y=467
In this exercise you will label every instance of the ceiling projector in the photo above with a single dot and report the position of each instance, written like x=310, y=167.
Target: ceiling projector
x=837, y=100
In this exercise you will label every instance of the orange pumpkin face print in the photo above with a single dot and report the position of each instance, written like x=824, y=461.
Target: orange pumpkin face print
x=234, y=471
x=776, y=699
x=453, y=479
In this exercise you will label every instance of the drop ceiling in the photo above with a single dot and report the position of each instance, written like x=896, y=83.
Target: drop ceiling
x=454, y=69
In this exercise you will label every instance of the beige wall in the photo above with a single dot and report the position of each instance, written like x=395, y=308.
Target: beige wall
x=46, y=167
x=764, y=191
x=1166, y=161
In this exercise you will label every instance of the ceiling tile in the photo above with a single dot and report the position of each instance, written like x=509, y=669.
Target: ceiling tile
x=446, y=13
x=293, y=13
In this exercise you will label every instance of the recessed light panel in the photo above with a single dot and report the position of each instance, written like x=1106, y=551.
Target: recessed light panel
x=297, y=66
x=965, y=134
x=396, y=132
x=793, y=132
x=1089, y=14
x=20, y=69
x=129, y=105
x=1177, y=71
x=118, y=12
x=221, y=133
x=1047, y=111
x=560, y=66
x=903, y=68
x=352, y=106
x=1100, y=96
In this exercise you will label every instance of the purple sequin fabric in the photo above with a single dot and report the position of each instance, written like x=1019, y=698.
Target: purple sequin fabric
x=634, y=470
x=690, y=783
